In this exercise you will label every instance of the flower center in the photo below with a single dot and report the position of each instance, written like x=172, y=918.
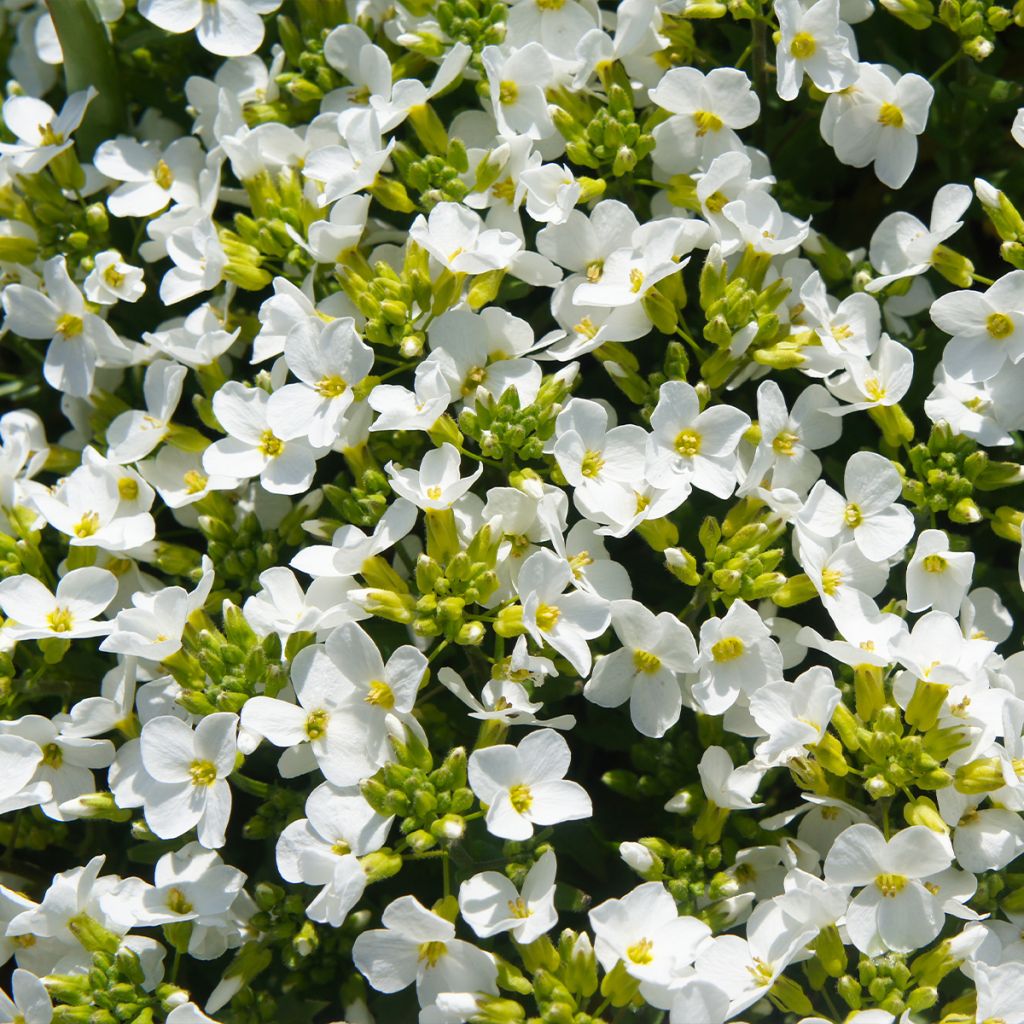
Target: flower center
x=128, y=488
x=729, y=648
x=163, y=175
x=636, y=280
x=87, y=525
x=270, y=444
x=594, y=271
x=177, y=902
x=549, y=5
x=716, y=202
x=508, y=92
x=999, y=325
x=431, y=952
x=113, y=276
x=830, y=581
x=707, y=122
x=934, y=563
x=380, y=695
x=890, y=885
x=60, y=620
x=341, y=848
x=331, y=387
x=518, y=908
x=316, y=723
x=890, y=115
x=640, y=952
x=874, y=389
x=646, y=662
x=784, y=443
x=53, y=757
x=434, y=493
x=853, y=516
x=195, y=481
x=202, y=773
x=803, y=46
x=547, y=617
x=586, y=328
x=687, y=443
x=70, y=326
x=521, y=798
x=592, y=464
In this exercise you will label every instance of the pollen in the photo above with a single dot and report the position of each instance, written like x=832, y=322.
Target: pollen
x=934, y=563
x=547, y=617
x=636, y=280
x=316, y=723
x=53, y=756
x=586, y=328
x=270, y=444
x=430, y=953
x=341, y=848
x=853, y=516
x=594, y=271
x=163, y=175
x=60, y=620
x=874, y=389
x=203, y=773
x=177, y=902
x=521, y=798
x=729, y=648
x=113, y=276
x=70, y=326
x=687, y=443
x=592, y=465
x=889, y=885
x=999, y=326
x=518, y=908
x=803, y=46
x=707, y=122
x=640, y=952
x=87, y=525
x=434, y=493
x=831, y=580
x=646, y=662
x=890, y=115
x=715, y=202
x=784, y=443
x=508, y=92
x=380, y=695
x=331, y=386
x=194, y=481
x=128, y=488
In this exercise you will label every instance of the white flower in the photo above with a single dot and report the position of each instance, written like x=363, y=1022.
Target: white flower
x=329, y=363
x=41, y=132
x=436, y=485
x=565, y=621
x=133, y=435
x=882, y=123
x=418, y=945
x=112, y=280
x=698, y=446
x=229, y=28
x=937, y=576
x=1000, y=988
x=252, y=448
x=987, y=328
x=812, y=43
x=456, y=237
x=647, y=671
x=324, y=849
x=737, y=656
x=33, y=612
x=895, y=910
x=398, y=408
x=794, y=715
x=185, y=781
x=152, y=179
x=518, y=80
x=645, y=932
x=869, y=514
x=725, y=785
x=1017, y=131
x=525, y=786
x=80, y=341
x=31, y=1003
x=707, y=111
x=491, y=904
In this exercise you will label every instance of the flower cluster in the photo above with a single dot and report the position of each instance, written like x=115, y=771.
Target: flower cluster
x=507, y=514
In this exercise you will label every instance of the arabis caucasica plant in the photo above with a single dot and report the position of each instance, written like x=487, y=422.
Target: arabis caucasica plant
x=511, y=512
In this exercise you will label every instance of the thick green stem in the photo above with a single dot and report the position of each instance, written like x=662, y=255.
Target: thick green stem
x=89, y=60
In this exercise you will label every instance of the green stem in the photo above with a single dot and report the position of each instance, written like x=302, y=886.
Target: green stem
x=89, y=59
x=944, y=67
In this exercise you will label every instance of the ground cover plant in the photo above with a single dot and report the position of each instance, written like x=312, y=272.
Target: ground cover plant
x=511, y=511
